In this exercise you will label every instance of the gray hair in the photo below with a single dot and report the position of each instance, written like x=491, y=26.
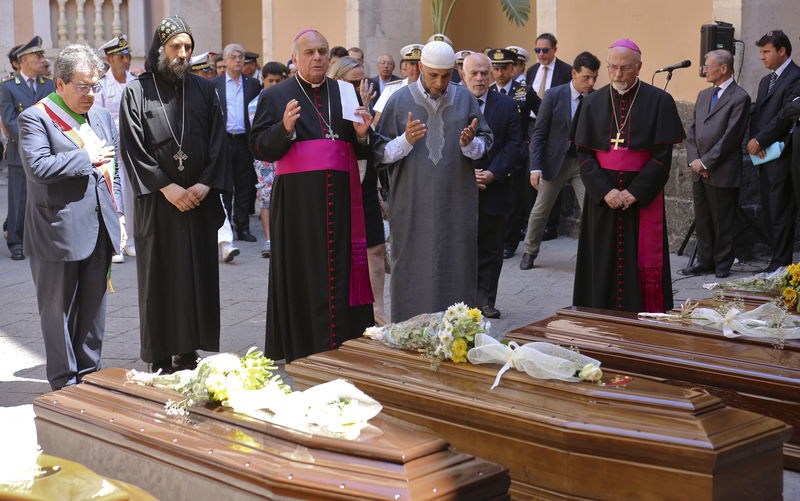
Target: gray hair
x=74, y=56
x=721, y=56
x=340, y=68
x=230, y=48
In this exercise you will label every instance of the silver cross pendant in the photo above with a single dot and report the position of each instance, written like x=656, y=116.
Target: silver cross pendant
x=180, y=157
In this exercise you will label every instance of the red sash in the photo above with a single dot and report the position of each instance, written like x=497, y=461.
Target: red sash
x=651, y=228
x=324, y=154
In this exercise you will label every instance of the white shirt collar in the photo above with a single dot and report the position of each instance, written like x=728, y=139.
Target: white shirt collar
x=573, y=92
x=313, y=85
x=229, y=78
x=25, y=77
x=727, y=83
x=550, y=66
x=783, y=66
x=507, y=87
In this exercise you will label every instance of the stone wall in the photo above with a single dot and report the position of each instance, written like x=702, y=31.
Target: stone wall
x=678, y=200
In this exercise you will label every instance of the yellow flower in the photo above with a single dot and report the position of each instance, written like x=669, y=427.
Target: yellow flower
x=789, y=296
x=459, y=348
x=794, y=271
x=475, y=314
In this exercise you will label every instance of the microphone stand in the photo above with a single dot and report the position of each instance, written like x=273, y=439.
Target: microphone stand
x=669, y=77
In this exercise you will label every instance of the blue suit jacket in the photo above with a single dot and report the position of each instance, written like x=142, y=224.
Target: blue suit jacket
x=15, y=97
x=67, y=197
x=251, y=89
x=503, y=118
x=550, y=140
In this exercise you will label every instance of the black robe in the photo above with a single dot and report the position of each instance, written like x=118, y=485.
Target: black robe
x=607, y=273
x=177, y=265
x=308, y=309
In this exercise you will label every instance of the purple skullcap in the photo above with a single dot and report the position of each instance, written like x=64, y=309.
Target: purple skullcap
x=627, y=43
x=303, y=33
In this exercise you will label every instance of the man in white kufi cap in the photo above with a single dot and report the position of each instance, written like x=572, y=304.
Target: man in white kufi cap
x=431, y=132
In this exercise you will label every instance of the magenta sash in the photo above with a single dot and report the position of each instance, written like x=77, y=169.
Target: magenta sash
x=324, y=154
x=651, y=228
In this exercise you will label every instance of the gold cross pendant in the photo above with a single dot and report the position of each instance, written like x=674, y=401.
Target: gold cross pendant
x=617, y=141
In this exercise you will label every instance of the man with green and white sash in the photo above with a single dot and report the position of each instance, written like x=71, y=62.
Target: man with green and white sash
x=68, y=149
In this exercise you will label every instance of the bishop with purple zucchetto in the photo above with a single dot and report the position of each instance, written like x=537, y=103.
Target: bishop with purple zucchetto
x=624, y=139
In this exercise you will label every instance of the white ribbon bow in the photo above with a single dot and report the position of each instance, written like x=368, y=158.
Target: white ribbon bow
x=538, y=360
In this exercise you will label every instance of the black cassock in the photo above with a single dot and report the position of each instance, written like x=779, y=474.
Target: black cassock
x=308, y=308
x=177, y=266
x=607, y=273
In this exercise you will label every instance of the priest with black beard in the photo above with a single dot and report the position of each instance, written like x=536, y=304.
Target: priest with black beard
x=172, y=135
x=624, y=139
x=319, y=290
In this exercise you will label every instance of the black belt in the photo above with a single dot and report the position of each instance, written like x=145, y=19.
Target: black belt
x=243, y=135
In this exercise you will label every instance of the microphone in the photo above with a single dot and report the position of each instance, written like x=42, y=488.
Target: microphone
x=683, y=64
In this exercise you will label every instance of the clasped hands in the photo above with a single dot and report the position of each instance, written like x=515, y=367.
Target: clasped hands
x=483, y=177
x=185, y=199
x=617, y=199
x=698, y=168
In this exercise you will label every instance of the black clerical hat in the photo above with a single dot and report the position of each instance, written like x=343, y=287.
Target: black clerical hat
x=117, y=45
x=172, y=26
x=32, y=47
x=501, y=56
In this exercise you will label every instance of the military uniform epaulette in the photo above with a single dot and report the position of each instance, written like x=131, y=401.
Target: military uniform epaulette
x=6, y=79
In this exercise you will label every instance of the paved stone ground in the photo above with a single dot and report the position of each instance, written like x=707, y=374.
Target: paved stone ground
x=524, y=297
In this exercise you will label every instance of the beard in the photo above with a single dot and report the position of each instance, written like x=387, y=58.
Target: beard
x=622, y=86
x=174, y=70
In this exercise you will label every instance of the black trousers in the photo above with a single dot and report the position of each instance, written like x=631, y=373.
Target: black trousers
x=779, y=208
x=491, y=230
x=17, y=196
x=715, y=219
x=244, y=182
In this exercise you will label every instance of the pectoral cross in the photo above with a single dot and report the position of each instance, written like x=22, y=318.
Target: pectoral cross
x=330, y=135
x=180, y=157
x=616, y=141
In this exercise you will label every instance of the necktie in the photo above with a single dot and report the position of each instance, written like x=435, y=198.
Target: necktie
x=773, y=77
x=503, y=90
x=480, y=102
x=543, y=82
x=578, y=108
x=30, y=84
x=714, y=98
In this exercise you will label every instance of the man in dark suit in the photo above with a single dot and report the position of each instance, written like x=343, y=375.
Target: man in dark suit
x=546, y=73
x=17, y=94
x=554, y=162
x=774, y=91
x=714, y=152
x=236, y=90
x=386, y=74
x=492, y=175
x=68, y=150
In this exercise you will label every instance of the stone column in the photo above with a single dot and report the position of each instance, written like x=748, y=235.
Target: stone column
x=547, y=17
x=383, y=30
x=204, y=18
x=7, y=37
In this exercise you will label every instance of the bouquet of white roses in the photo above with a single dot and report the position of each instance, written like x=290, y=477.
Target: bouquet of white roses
x=215, y=379
x=446, y=335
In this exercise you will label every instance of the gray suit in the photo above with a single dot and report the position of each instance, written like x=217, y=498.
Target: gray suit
x=715, y=137
x=71, y=231
x=16, y=96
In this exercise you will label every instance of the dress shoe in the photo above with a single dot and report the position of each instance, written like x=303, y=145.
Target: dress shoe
x=164, y=365
x=185, y=361
x=549, y=234
x=229, y=252
x=508, y=252
x=696, y=269
x=490, y=311
x=17, y=255
x=245, y=235
x=723, y=273
x=527, y=262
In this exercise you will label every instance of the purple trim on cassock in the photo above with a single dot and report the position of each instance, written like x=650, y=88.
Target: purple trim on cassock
x=651, y=228
x=324, y=154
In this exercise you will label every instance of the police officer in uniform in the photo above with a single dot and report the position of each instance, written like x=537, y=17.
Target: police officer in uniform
x=18, y=93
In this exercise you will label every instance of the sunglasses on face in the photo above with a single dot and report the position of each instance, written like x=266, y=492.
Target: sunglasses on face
x=541, y=50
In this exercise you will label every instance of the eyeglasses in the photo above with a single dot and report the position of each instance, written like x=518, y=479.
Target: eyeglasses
x=709, y=66
x=541, y=50
x=85, y=88
x=624, y=69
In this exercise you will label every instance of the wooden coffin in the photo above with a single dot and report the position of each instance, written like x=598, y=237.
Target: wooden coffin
x=120, y=429
x=747, y=373
x=750, y=298
x=640, y=441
